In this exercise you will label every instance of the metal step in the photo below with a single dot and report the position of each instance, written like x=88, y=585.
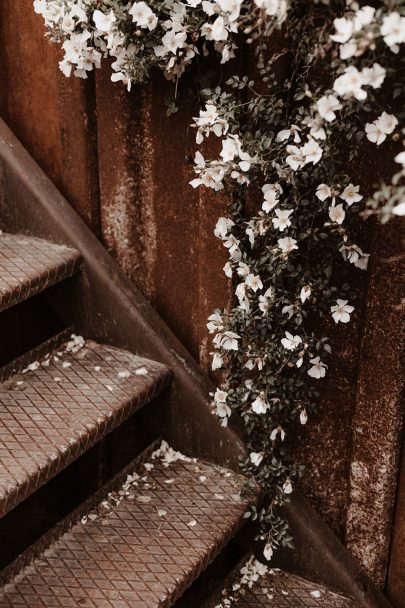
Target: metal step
x=142, y=544
x=29, y=265
x=256, y=585
x=59, y=407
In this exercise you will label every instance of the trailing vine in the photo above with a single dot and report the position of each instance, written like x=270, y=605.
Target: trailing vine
x=287, y=147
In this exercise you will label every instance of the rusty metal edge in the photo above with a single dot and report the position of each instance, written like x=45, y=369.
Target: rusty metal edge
x=119, y=313
x=38, y=352
x=234, y=576
x=321, y=557
x=52, y=535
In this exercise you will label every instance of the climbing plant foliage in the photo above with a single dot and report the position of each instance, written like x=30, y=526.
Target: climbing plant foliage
x=289, y=150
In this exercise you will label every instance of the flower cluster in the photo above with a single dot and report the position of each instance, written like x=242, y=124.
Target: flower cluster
x=289, y=261
x=140, y=35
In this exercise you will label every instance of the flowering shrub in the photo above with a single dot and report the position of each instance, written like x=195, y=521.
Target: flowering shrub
x=141, y=35
x=286, y=149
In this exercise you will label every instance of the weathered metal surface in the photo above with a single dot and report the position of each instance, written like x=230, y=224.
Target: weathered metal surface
x=158, y=228
x=78, y=140
x=379, y=414
x=29, y=104
x=276, y=589
x=52, y=116
x=29, y=265
x=324, y=444
x=396, y=572
x=55, y=412
x=129, y=553
x=117, y=311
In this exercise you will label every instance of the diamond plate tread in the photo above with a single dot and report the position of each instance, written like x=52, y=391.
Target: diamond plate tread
x=278, y=589
x=140, y=548
x=29, y=265
x=51, y=415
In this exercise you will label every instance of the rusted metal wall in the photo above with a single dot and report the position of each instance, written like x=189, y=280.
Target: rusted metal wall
x=125, y=167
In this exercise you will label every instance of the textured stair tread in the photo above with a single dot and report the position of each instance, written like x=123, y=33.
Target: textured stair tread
x=51, y=415
x=142, y=547
x=29, y=265
x=279, y=589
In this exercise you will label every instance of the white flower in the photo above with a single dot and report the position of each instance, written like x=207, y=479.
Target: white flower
x=347, y=50
x=229, y=341
x=230, y=148
x=323, y=192
x=274, y=8
x=230, y=6
x=217, y=361
x=341, y=312
x=327, y=106
x=287, y=244
x=316, y=129
x=375, y=76
x=271, y=193
x=285, y=134
x=288, y=310
x=303, y=416
x=312, y=152
x=220, y=396
x=318, y=369
x=305, y=293
x=363, y=16
x=295, y=158
x=104, y=22
x=378, y=130
x=264, y=303
x=219, y=31
x=349, y=84
x=253, y=282
x=355, y=256
x=223, y=226
x=172, y=41
x=287, y=487
x=399, y=209
x=400, y=158
x=291, y=342
x=351, y=194
x=256, y=458
x=260, y=405
x=337, y=214
x=344, y=30
x=387, y=122
x=268, y=552
x=278, y=431
x=374, y=133
x=282, y=221
x=215, y=323
x=393, y=30
x=223, y=411
x=143, y=15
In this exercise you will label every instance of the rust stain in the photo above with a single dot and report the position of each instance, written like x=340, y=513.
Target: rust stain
x=378, y=419
x=147, y=189
x=30, y=105
x=396, y=574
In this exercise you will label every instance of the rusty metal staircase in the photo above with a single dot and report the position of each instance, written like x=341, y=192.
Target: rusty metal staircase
x=95, y=510
x=148, y=534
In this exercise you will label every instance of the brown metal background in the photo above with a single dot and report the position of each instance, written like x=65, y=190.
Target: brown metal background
x=124, y=166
